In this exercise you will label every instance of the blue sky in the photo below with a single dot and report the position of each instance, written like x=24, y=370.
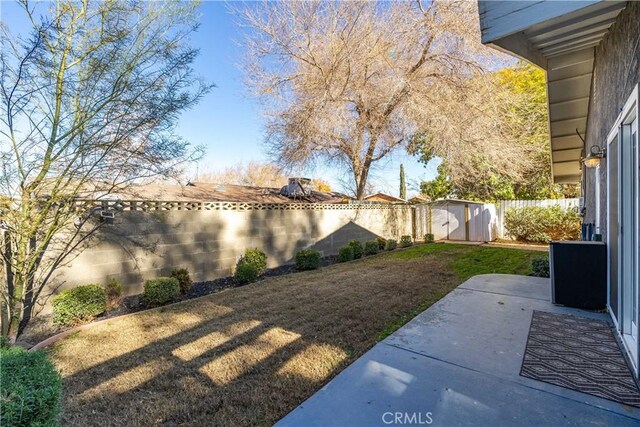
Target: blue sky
x=227, y=121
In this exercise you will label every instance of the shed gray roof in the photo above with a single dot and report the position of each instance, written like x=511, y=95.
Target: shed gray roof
x=456, y=201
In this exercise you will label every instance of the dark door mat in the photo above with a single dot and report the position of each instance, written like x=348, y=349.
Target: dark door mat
x=578, y=353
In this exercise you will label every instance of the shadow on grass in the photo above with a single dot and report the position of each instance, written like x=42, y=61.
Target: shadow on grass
x=250, y=355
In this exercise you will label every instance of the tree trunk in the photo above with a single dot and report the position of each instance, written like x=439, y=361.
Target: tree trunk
x=6, y=308
x=14, y=309
x=361, y=181
x=361, y=178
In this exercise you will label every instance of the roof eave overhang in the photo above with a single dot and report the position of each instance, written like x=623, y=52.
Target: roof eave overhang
x=559, y=37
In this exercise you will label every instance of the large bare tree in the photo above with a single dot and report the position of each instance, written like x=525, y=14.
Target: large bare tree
x=90, y=97
x=351, y=82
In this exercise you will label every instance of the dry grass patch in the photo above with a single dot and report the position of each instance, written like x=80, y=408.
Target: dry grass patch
x=245, y=356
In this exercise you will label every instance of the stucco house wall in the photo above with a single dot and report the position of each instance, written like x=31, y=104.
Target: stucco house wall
x=616, y=72
x=591, y=50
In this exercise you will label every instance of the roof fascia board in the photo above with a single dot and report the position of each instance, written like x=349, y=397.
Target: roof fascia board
x=500, y=19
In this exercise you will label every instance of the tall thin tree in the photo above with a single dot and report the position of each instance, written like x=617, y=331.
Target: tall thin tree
x=403, y=184
x=89, y=104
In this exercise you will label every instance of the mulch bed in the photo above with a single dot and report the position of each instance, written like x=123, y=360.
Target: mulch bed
x=41, y=328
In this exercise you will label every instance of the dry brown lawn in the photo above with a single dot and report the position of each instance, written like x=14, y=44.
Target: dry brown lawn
x=246, y=356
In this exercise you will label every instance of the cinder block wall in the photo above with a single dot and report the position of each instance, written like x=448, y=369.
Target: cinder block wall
x=144, y=245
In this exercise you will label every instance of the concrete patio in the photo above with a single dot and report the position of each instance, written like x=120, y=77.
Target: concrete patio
x=457, y=364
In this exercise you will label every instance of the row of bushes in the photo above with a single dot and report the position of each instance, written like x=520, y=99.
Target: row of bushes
x=355, y=250
x=253, y=263
x=82, y=304
x=542, y=224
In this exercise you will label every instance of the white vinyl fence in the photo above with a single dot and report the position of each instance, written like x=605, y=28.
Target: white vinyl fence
x=472, y=221
x=504, y=205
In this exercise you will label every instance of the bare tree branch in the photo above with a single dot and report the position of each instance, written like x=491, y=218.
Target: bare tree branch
x=350, y=82
x=89, y=103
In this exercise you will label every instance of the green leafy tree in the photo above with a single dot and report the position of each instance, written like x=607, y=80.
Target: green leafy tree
x=440, y=187
x=90, y=100
x=403, y=184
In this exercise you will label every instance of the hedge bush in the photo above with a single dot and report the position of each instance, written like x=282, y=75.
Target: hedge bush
x=391, y=244
x=371, y=247
x=245, y=272
x=308, y=259
x=250, y=265
x=540, y=267
x=345, y=253
x=406, y=241
x=160, y=291
x=79, y=305
x=31, y=388
x=428, y=238
x=382, y=242
x=358, y=250
x=114, y=290
x=183, y=278
x=256, y=257
x=542, y=224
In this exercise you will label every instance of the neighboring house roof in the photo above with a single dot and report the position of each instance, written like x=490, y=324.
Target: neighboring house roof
x=385, y=198
x=419, y=199
x=221, y=193
x=560, y=37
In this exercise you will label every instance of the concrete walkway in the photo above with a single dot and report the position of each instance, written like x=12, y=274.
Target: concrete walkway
x=458, y=364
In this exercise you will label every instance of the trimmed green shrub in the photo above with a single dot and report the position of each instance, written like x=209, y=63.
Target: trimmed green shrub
x=308, y=259
x=182, y=275
x=406, y=241
x=114, y=290
x=371, y=247
x=428, y=238
x=358, y=250
x=345, y=253
x=250, y=265
x=382, y=242
x=79, y=305
x=542, y=224
x=256, y=257
x=245, y=272
x=31, y=388
x=160, y=291
x=391, y=244
x=540, y=267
